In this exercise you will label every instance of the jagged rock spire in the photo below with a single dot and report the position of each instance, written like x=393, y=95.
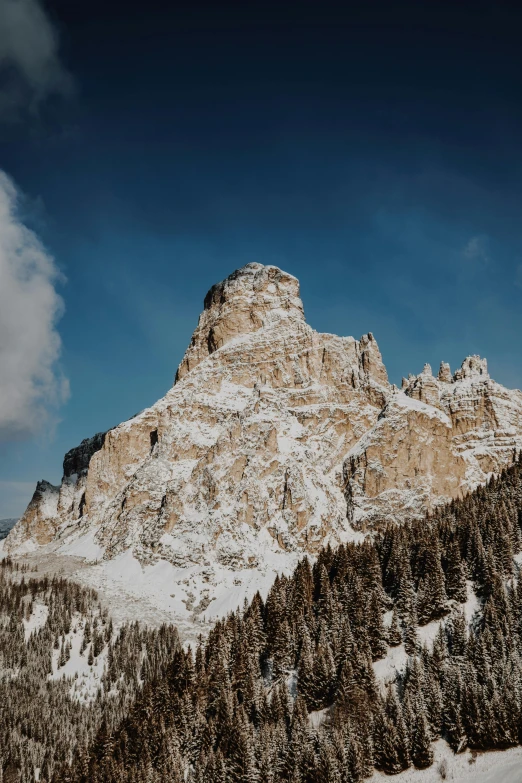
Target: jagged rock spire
x=472, y=366
x=445, y=373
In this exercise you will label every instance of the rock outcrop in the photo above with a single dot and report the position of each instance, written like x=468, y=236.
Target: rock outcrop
x=275, y=439
x=38, y=525
x=436, y=439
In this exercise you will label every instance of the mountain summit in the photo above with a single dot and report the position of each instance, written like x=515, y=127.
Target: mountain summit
x=274, y=440
x=253, y=297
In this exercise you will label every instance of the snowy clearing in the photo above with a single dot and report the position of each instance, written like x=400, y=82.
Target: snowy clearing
x=85, y=679
x=494, y=767
x=37, y=619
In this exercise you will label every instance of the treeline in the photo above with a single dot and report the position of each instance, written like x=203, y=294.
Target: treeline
x=285, y=690
x=44, y=723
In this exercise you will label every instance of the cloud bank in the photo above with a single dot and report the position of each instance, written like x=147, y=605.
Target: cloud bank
x=31, y=386
x=30, y=66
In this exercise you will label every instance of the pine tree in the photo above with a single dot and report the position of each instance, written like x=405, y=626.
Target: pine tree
x=241, y=766
x=453, y=724
x=455, y=574
x=394, y=631
x=305, y=670
x=458, y=634
x=421, y=752
x=411, y=639
x=433, y=701
x=394, y=713
x=431, y=596
x=376, y=632
x=62, y=659
x=386, y=754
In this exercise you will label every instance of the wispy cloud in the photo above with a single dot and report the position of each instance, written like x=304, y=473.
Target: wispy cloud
x=30, y=65
x=476, y=250
x=31, y=386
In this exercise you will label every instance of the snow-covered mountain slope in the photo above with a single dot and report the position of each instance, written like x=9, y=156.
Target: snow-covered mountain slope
x=274, y=440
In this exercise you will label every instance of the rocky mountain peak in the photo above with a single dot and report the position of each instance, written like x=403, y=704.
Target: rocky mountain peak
x=251, y=298
x=444, y=375
x=432, y=391
x=276, y=440
x=472, y=367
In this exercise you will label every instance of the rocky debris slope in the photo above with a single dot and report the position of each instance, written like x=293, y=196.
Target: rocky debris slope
x=274, y=440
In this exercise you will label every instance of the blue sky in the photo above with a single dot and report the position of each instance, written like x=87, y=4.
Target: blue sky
x=375, y=153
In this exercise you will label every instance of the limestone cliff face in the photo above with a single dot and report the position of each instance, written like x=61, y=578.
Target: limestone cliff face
x=276, y=439
x=435, y=440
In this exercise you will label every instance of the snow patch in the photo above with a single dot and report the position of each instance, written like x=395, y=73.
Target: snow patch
x=503, y=766
x=472, y=605
x=404, y=401
x=37, y=619
x=394, y=663
x=85, y=679
x=316, y=718
x=84, y=546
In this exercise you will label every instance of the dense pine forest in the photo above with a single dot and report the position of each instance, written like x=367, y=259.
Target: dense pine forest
x=46, y=717
x=285, y=690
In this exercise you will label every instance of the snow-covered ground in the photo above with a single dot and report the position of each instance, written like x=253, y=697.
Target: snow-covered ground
x=85, y=679
x=37, y=619
x=191, y=598
x=493, y=767
x=316, y=718
x=394, y=662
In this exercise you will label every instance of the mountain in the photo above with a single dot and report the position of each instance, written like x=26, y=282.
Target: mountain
x=274, y=440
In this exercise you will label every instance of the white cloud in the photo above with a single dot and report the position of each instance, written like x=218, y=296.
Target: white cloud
x=30, y=67
x=31, y=386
